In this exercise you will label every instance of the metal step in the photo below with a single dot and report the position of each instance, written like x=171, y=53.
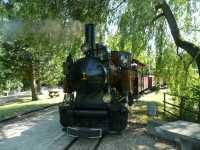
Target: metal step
x=84, y=132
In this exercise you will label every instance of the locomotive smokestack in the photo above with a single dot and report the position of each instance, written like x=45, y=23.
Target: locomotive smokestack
x=90, y=36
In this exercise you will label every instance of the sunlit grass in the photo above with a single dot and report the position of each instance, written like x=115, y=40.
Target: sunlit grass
x=156, y=96
x=139, y=111
x=26, y=104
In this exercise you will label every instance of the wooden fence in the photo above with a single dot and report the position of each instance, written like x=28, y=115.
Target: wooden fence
x=181, y=108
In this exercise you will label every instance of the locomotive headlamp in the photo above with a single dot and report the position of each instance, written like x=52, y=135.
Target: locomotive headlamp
x=107, y=98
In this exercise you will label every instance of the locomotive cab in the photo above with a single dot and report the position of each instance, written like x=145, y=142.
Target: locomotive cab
x=97, y=90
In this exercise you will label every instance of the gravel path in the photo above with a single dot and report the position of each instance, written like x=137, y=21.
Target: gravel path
x=136, y=139
x=38, y=132
x=42, y=131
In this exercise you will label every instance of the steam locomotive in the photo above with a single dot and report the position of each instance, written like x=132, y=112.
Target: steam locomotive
x=99, y=87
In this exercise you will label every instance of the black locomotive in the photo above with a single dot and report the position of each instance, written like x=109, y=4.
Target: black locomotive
x=98, y=89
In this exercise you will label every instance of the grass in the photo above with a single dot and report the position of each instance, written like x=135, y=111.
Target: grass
x=25, y=105
x=139, y=113
x=156, y=96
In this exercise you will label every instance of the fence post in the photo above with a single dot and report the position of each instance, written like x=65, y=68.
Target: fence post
x=199, y=112
x=181, y=111
x=164, y=109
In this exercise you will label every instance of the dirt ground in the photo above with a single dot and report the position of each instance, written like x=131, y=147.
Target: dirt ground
x=42, y=131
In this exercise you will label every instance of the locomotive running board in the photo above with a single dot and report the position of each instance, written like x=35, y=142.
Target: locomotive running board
x=84, y=132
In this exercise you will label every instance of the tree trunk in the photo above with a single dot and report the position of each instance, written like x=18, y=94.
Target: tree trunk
x=34, y=89
x=33, y=84
x=38, y=86
x=199, y=112
x=189, y=47
x=198, y=64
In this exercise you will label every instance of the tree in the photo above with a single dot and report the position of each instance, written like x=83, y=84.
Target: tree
x=142, y=23
x=139, y=24
x=48, y=28
x=32, y=48
x=20, y=61
x=189, y=47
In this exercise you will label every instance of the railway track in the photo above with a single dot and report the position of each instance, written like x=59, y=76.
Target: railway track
x=63, y=142
x=92, y=144
x=71, y=144
x=98, y=143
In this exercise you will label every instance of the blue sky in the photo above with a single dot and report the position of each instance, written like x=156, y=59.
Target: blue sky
x=5, y=1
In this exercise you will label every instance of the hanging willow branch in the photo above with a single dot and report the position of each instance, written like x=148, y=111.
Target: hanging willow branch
x=189, y=47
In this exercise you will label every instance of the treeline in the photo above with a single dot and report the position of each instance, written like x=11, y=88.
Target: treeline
x=36, y=36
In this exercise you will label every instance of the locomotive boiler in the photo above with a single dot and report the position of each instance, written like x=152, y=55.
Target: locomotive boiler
x=98, y=89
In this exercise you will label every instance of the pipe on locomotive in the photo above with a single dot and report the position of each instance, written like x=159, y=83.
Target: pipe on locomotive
x=90, y=38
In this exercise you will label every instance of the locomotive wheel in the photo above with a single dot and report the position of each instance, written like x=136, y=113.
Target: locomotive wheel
x=118, y=117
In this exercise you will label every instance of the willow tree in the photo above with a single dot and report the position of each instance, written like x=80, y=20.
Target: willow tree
x=191, y=48
x=143, y=19
x=157, y=26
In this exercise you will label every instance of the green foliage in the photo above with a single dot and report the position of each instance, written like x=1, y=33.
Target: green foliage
x=42, y=32
x=30, y=40
x=95, y=11
x=37, y=10
x=42, y=48
x=114, y=42
x=194, y=91
x=52, y=72
x=12, y=65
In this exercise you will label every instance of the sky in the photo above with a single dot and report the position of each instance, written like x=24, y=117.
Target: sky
x=5, y=1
